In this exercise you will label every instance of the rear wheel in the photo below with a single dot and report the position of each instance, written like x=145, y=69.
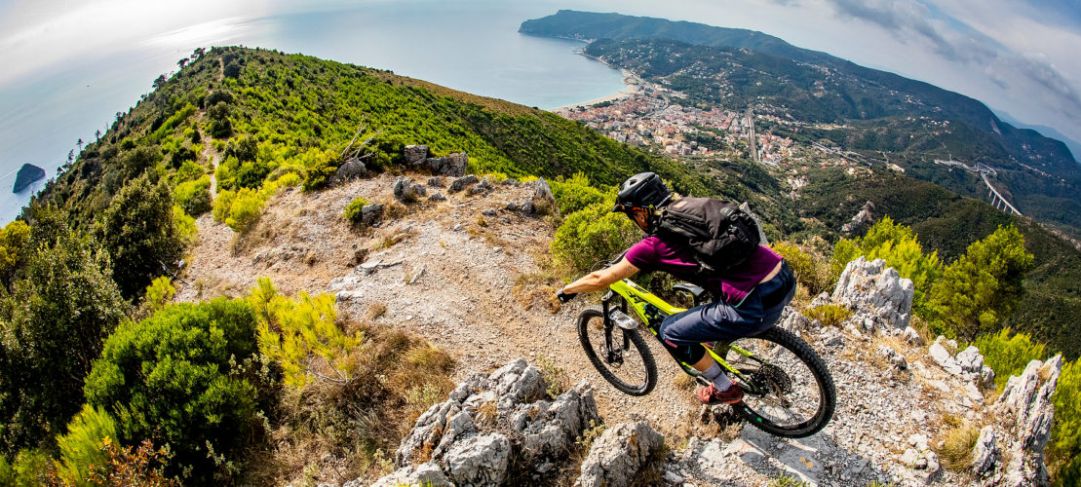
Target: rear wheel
x=787, y=389
x=621, y=356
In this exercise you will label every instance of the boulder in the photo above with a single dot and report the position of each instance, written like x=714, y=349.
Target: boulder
x=371, y=214
x=406, y=191
x=793, y=320
x=878, y=296
x=462, y=182
x=483, y=187
x=415, y=155
x=941, y=355
x=479, y=460
x=426, y=474
x=541, y=202
x=352, y=169
x=451, y=165
x=437, y=196
x=435, y=181
x=967, y=364
x=985, y=452
x=496, y=427
x=1026, y=412
x=620, y=455
x=862, y=220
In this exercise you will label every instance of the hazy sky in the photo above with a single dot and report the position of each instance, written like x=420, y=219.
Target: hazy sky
x=1018, y=56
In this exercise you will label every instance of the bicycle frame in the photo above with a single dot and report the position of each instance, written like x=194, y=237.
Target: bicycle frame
x=651, y=310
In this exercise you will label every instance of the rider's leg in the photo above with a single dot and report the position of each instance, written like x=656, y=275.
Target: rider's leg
x=684, y=333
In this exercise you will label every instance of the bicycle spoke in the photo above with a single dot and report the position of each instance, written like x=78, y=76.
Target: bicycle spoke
x=630, y=369
x=781, y=388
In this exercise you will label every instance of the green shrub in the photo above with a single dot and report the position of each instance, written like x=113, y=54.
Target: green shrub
x=354, y=210
x=246, y=209
x=575, y=193
x=222, y=204
x=14, y=248
x=31, y=468
x=159, y=293
x=810, y=273
x=302, y=334
x=183, y=378
x=187, y=233
x=189, y=171
x=592, y=235
x=1008, y=354
x=82, y=447
x=319, y=167
x=1064, y=452
x=53, y=325
x=829, y=314
x=982, y=286
x=194, y=196
x=139, y=232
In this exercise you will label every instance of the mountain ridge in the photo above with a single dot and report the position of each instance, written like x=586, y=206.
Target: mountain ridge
x=616, y=26
x=815, y=96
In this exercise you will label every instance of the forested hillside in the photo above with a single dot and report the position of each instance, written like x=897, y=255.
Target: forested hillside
x=272, y=114
x=820, y=98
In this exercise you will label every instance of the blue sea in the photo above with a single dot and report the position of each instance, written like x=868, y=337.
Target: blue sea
x=470, y=45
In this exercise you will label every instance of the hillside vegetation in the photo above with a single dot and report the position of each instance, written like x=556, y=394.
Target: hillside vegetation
x=821, y=98
x=271, y=115
x=227, y=133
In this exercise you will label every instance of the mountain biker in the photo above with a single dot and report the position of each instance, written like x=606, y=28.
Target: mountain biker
x=750, y=295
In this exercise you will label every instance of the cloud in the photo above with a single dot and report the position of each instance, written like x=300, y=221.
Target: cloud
x=955, y=40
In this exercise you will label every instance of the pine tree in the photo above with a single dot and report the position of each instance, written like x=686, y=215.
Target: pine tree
x=982, y=286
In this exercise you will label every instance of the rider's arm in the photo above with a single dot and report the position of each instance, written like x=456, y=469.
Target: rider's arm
x=601, y=279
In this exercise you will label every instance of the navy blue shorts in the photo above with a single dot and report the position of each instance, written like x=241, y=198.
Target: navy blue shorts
x=682, y=334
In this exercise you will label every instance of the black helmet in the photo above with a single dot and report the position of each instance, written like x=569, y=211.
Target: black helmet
x=643, y=190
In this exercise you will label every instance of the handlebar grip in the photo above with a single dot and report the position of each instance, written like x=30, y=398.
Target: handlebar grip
x=565, y=297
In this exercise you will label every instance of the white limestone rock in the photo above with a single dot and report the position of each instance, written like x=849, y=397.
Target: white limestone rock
x=878, y=296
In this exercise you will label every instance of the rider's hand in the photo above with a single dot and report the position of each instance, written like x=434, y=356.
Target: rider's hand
x=565, y=296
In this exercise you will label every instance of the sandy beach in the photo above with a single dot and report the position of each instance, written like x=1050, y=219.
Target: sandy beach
x=631, y=85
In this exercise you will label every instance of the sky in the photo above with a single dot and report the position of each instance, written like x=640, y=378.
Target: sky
x=1017, y=56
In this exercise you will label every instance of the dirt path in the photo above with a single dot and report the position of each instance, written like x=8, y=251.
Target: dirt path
x=451, y=279
x=212, y=155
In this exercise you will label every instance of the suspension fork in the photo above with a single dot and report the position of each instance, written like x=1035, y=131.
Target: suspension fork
x=613, y=354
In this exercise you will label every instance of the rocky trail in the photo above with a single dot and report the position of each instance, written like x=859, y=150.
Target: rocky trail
x=461, y=261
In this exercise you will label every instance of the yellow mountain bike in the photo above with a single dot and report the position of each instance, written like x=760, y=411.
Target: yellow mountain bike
x=787, y=389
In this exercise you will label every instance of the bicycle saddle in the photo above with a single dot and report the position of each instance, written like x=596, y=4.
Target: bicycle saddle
x=693, y=289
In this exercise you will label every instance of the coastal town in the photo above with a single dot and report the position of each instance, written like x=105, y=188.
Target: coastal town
x=647, y=114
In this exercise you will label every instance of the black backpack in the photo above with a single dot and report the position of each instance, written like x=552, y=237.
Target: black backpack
x=721, y=234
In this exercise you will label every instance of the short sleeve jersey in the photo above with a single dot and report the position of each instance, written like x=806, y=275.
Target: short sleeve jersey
x=654, y=254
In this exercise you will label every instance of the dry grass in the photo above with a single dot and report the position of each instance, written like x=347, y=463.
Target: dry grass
x=829, y=314
x=554, y=376
x=487, y=414
x=375, y=311
x=956, y=443
x=393, y=210
x=334, y=431
x=393, y=239
x=537, y=289
x=685, y=382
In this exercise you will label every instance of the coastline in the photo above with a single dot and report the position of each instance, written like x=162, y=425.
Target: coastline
x=631, y=85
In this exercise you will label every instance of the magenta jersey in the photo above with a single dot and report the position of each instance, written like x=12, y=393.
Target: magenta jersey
x=654, y=254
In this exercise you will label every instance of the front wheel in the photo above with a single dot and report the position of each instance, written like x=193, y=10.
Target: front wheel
x=787, y=389
x=621, y=356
